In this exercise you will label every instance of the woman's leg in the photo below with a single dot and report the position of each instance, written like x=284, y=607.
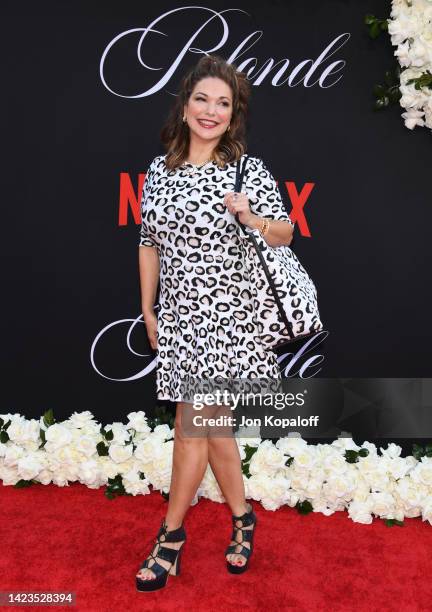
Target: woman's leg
x=225, y=462
x=190, y=458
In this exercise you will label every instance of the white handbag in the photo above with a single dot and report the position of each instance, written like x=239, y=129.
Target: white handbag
x=284, y=295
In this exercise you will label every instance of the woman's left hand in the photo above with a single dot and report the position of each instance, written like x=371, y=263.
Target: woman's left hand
x=238, y=203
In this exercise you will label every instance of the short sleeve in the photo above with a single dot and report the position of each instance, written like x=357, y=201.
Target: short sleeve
x=144, y=237
x=263, y=192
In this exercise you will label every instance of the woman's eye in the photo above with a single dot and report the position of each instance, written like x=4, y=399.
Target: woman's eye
x=202, y=100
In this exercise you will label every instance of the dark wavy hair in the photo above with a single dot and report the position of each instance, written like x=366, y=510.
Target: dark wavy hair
x=175, y=134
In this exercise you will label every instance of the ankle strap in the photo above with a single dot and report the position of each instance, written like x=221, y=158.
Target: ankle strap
x=175, y=535
x=244, y=517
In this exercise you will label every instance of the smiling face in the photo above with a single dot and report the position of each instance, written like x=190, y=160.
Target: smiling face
x=209, y=109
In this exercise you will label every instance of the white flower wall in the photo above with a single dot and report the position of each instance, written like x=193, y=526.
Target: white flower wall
x=283, y=473
x=410, y=28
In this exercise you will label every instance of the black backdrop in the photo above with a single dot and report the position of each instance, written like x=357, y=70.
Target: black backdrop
x=70, y=243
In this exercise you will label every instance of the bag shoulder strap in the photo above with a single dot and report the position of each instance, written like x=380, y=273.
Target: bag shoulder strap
x=240, y=171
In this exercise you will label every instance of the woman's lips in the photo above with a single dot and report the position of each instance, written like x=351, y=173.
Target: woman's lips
x=206, y=125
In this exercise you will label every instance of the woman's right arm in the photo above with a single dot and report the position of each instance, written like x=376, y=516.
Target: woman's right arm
x=149, y=267
x=149, y=279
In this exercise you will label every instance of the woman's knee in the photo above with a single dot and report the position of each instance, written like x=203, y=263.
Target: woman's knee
x=185, y=428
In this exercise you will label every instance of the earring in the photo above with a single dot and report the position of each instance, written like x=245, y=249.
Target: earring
x=229, y=128
x=184, y=119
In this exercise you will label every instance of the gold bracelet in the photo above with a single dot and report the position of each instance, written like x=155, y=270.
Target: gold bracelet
x=265, y=227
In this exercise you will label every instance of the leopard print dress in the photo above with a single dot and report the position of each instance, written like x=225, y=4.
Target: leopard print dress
x=206, y=322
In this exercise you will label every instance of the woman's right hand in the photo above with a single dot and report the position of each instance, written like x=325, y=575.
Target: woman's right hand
x=151, y=322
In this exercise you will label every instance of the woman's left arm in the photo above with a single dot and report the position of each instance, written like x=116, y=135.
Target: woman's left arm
x=279, y=233
x=261, y=199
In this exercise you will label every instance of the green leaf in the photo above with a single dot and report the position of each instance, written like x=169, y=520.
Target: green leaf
x=394, y=94
x=363, y=452
x=109, y=435
x=1, y=422
x=48, y=418
x=388, y=78
x=304, y=507
x=249, y=451
x=393, y=522
x=42, y=437
x=379, y=104
x=21, y=484
x=245, y=470
x=379, y=91
x=102, y=449
x=289, y=461
x=418, y=451
x=4, y=437
x=351, y=456
x=369, y=19
x=374, y=30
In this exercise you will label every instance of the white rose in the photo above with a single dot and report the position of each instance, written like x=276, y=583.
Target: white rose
x=306, y=459
x=267, y=459
x=321, y=505
x=138, y=422
x=13, y=454
x=24, y=432
x=412, y=118
x=370, y=463
x=9, y=474
x=107, y=467
x=120, y=452
x=339, y=486
x=291, y=445
x=427, y=512
x=81, y=419
x=90, y=474
x=359, y=512
x=392, y=451
x=335, y=464
x=397, y=467
x=299, y=481
x=313, y=488
x=69, y=455
x=410, y=495
x=86, y=445
x=45, y=477
x=29, y=466
x=422, y=473
x=343, y=444
x=60, y=478
x=134, y=484
x=57, y=436
x=163, y=432
x=382, y=504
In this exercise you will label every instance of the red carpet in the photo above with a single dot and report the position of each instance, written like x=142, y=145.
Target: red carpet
x=74, y=538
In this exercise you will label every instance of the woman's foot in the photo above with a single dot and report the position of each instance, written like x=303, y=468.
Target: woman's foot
x=147, y=573
x=235, y=558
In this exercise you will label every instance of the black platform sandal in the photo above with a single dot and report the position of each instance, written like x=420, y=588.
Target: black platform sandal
x=247, y=535
x=171, y=555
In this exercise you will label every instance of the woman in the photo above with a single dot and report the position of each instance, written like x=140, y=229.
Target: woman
x=189, y=243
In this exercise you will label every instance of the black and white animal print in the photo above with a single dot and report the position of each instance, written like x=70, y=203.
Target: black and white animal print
x=206, y=321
